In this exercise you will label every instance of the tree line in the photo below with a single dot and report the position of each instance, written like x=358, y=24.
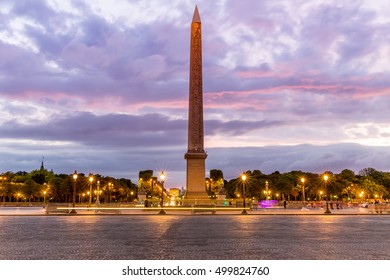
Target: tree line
x=346, y=185
x=43, y=185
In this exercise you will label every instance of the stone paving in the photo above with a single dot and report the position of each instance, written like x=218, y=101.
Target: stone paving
x=273, y=237
x=36, y=211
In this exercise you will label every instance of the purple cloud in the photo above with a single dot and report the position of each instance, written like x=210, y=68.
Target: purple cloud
x=78, y=77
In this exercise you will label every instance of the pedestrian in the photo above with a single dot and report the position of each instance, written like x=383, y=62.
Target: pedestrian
x=331, y=204
x=376, y=206
x=285, y=204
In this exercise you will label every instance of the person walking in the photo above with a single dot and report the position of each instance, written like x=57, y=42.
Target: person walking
x=285, y=204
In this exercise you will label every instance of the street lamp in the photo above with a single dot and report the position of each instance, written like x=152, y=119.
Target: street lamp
x=98, y=193
x=74, y=192
x=90, y=190
x=243, y=178
x=303, y=192
x=327, y=211
x=153, y=183
x=109, y=191
x=3, y=178
x=44, y=197
x=162, y=177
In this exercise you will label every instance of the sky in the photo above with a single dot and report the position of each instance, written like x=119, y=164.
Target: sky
x=102, y=86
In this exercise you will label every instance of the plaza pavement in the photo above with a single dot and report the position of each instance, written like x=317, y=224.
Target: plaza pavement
x=33, y=211
x=291, y=235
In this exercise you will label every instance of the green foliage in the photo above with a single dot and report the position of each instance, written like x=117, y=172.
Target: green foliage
x=24, y=186
x=215, y=183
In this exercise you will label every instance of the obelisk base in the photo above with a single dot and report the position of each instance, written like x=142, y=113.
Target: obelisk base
x=196, y=181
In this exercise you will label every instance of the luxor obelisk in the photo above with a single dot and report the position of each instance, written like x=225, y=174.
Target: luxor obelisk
x=196, y=156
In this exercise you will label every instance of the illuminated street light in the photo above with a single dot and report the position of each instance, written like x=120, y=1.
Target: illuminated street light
x=109, y=191
x=327, y=211
x=162, y=177
x=3, y=178
x=90, y=190
x=303, y=193
x=243, y=178
x=98, y=193
x=74, y=192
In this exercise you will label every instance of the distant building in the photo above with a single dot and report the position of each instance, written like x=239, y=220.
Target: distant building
x=175, y=192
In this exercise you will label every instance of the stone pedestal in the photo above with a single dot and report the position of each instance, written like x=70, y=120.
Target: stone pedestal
x=196, y=184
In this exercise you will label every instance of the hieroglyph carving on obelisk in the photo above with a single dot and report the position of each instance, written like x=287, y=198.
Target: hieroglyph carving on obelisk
x=196, y=155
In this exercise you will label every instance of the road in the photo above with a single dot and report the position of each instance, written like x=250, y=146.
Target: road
x=273, y=237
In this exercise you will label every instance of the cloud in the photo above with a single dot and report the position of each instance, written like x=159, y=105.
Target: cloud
x=115, y=131
x=77, y=77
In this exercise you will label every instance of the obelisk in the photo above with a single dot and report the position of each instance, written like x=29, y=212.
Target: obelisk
x=195, y=156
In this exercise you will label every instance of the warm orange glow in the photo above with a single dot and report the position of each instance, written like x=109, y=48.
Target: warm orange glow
x=162, y=176
x=326, y=177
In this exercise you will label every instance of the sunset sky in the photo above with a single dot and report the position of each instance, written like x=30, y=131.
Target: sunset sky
x=102, y=86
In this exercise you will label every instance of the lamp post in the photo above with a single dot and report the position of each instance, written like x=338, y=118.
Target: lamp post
x=153, y=181
x=109, y=191
x=90, y=190
x=267, y=192
x=74, y=192
x=243, y=178
x=44, y=197
x=3, y=178
x=98, y=193
x=162, y=177
x=327, y=211
x=303, y=192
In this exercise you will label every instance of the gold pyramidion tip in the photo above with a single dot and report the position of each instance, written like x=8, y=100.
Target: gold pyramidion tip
x=196, y=17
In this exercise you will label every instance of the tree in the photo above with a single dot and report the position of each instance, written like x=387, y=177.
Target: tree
x=215, y=183
x=230, y=188
x=373, y=190
x=31, y=189
x=367, y=172
x=146, y=182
